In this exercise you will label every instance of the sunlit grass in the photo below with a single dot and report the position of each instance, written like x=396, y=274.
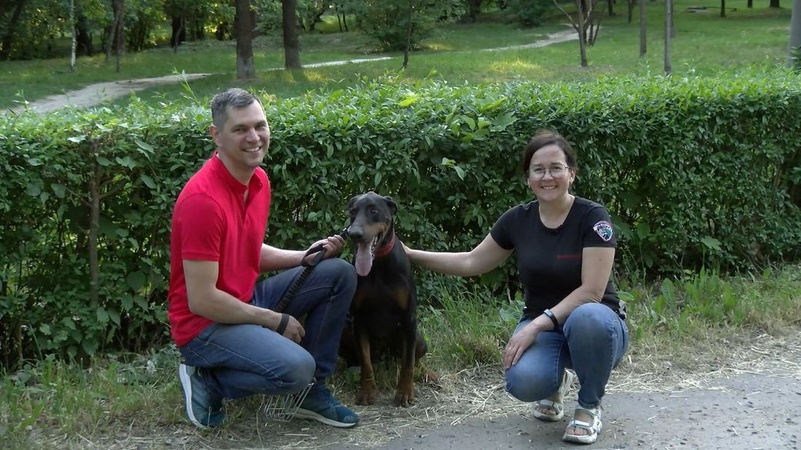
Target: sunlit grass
x=705, y=44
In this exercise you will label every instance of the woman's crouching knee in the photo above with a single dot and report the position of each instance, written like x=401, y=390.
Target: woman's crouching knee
x=528, y=387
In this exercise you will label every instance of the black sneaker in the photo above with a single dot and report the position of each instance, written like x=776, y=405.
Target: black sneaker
x=202, y=410
x=321, y=406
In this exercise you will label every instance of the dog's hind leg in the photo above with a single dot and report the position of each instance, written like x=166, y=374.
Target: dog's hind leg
x=420, y=349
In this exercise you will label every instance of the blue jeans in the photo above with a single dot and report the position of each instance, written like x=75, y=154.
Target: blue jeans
x=245, y=359
x=593, y=342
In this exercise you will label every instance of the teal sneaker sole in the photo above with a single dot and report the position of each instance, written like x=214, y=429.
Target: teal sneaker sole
x=311, y=415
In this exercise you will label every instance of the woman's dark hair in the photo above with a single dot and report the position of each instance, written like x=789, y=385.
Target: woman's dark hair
x=542, y=139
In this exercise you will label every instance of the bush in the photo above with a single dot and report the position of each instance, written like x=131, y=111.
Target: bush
x=695, y=172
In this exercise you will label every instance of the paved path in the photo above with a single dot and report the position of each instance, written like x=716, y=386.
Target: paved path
x=101, y=92
x=752, y=411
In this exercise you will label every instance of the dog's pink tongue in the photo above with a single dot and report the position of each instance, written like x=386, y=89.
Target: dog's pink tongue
x=364, y=259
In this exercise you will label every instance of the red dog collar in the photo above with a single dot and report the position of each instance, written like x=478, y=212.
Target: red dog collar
x=384, y=251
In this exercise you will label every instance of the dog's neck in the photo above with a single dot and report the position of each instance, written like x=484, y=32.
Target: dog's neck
x=386, y=247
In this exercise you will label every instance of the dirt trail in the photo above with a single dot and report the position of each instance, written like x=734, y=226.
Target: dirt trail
x=98, y=93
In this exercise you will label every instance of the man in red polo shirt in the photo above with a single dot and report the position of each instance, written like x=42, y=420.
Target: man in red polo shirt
x=232, y=343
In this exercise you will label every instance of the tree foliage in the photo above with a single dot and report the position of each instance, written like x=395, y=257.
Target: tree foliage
x=528, y=13
x=389, y=22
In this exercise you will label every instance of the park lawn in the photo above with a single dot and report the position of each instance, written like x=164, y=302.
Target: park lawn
x=705, y=44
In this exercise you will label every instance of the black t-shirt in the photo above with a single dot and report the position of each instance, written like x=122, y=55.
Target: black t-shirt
x=549, y=260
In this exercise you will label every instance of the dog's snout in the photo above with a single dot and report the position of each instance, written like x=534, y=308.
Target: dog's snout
x=355, y=234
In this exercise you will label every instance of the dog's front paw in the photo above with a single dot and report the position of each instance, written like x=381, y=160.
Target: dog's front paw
x=366, y=396
x=404, y=397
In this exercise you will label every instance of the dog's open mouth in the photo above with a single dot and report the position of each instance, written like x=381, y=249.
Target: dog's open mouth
x=365, y=251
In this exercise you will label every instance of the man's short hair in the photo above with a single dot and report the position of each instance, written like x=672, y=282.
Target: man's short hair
x=234, y=97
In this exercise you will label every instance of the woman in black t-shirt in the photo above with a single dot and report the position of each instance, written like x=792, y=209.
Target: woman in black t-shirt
x=573, y=318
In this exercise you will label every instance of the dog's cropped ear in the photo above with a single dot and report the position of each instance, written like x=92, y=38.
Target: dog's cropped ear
x=352, y=201
x=391, y=203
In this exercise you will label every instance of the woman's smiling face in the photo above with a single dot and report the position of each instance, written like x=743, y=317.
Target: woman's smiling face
x=549, y=175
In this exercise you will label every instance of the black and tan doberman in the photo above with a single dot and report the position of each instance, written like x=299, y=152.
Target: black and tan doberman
x=384, y=308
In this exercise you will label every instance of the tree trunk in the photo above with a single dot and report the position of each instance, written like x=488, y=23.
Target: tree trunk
x=408, y=35
x=582, y=33
x=774, y=4
x=178, y=32
x=795, y=34
x=85, y=47
x=750, y=4
x=722, y=8
x=610, y=4
x=115, y=29
x=74, y=40
x=245, y=68
x=120, y=33
x=11, y=32
x=643, y=22
x=291, y=40
x=630, y=11
x=668, y=22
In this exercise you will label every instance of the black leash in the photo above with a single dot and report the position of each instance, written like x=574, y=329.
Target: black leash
x=309, y=266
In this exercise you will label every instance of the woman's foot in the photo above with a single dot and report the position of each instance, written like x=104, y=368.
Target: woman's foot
x=552, y=409
x=584, y=427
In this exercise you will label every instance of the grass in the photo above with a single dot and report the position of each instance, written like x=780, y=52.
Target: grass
x=705, y=44
x=134, y=401
x=688, y=323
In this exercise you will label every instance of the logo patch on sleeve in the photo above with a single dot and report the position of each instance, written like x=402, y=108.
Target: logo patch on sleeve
x=604, y=230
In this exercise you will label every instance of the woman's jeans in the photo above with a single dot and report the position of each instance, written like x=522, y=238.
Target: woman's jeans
x=592, y=342
x=245, y=359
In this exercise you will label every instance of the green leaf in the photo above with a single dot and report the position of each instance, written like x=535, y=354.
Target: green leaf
x=711, y=243
x=114, y=316
x=148, y=181
x=127, y=302
x=102, y=315
x=90, y=346
x=126, y=162
x=144, y=146
x=135, y=280
x=33, y=189
x=408, y=101
x=59, y=189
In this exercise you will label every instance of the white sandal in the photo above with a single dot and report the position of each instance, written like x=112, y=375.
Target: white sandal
x=592, y=428
x=557, y=406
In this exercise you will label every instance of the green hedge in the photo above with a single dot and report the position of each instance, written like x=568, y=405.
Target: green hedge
x=695, y=172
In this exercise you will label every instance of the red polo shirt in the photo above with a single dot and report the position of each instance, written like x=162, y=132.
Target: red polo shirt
x=212, y=222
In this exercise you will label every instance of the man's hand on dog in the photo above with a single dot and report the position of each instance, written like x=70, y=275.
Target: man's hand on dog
x=332, y=245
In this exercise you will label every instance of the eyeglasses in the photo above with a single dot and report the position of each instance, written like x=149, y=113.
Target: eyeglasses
x=555, y=171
